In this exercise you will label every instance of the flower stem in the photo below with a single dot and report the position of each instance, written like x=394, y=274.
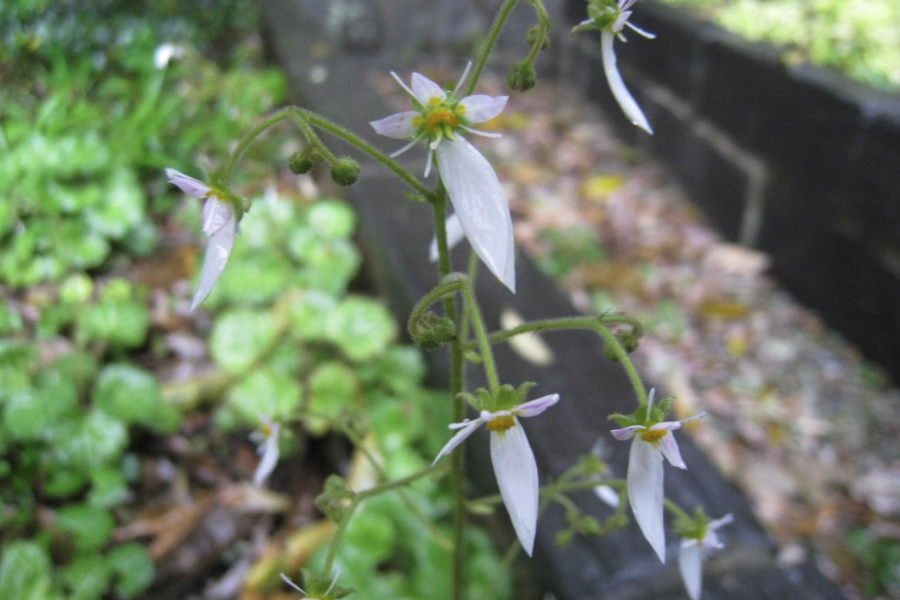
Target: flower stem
x=353, y=139
x=489, y=43
x=457, y=381
x=249, y=136
x=597, y=324
x=676, y=510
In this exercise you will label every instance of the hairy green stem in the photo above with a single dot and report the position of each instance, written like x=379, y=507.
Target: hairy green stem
x=249, y=136
x=496, y=27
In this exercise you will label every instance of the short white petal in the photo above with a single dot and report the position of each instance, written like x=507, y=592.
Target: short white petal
x=458, y=438
x=454, y=236
x=536, y=407
x=690, y=563
x=645, y=493
x=218, y=250
x=717, y=523
x=626, y=433
x=425, y=89
x=668, y=445
x=480, y=203
x=607, y=495
x=481, y=108
x=398, y=126
x=216, y=214
x=667, y=425
x=268, y=461
x=623, y=96
x=517, y=476
x=187, y=184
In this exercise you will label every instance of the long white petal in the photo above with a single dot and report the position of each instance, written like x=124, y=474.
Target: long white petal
x=517, y=476
x=480, y=203
x=187, y=184
x=425, y=89
x=268, y=461
x=216, y=214
x=462, y=78
x=458, y=438
x=535, y=407
x=218, y=250
x=480, y=108
x=398, y=126
x=645, y=493
x=621, y=93
x=690, y=563
x=454, y=235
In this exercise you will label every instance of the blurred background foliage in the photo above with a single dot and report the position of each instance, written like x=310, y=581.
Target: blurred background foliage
x=98, y=352
x=860, y=39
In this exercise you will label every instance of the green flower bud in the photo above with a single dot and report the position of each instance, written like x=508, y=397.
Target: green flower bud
x=522, y=76
x=432, y=331
x=303, y=161
x=345, y=172
x=629, y=341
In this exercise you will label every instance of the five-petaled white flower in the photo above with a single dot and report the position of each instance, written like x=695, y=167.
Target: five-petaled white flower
x=219, y=223
x=266, y=439
x=513, y=462
x=690, y=558
x=645, y=473
x=480, y=203
x=611, y=17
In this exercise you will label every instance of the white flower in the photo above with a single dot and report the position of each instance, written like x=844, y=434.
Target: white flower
x=608, y=34
x=219, y=223
x=690, y=558
x=607, y=495
x=513, y=462
x=475, y=192
x=164, y=54
x=645, y=473
x=266, y=438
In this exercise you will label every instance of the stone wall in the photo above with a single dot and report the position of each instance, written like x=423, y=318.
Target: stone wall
x=798, y=162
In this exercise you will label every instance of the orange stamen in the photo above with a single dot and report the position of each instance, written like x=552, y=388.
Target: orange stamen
x=501, y=423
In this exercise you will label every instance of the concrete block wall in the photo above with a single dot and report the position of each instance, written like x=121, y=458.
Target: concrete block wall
x=799, y=162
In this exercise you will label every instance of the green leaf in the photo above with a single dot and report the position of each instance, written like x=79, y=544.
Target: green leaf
x=361, y=328
x=265, y=393
x=307, y=312
x=25, y=571
x=400, y=370
x=93, y=442
x=333, y=387
x=89, y=526
x=133, y=569
x=253, y=277
x=329, y=266
x=62, y=483
x=129, y=393
x=76, y=289
x=122, y=208
x=332, y=219
x=108, y=487
x=241, y=336
x=122, y=324
x=87, y=577
x=30, y=413
x=10, y=319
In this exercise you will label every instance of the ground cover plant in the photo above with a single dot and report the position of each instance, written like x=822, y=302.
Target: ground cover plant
x=102, y=367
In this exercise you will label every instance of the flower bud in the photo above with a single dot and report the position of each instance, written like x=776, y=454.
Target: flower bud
x=345, y=172
x=303, y=161
x=432, y=331
x=534, y=34
x=522, y=76
x=629, y=341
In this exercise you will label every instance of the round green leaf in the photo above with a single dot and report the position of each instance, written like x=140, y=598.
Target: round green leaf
x=265, y=393
x=25, y=571
x=89, y=526
x=361, y=328
x=332, y=219
x=87, y=577
x=128, y=393
x=133, y=569
x=122, y=324
x=240, y=336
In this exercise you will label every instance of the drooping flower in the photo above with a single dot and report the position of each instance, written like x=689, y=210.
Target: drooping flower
x=693, y=549
x=266, y=439
x=611, y=17
x=653, y=440
x=441, y=118
x=219, y=223
x=513, y=461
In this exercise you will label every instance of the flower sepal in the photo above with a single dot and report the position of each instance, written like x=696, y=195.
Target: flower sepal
x=319, y=586
x=692, y=527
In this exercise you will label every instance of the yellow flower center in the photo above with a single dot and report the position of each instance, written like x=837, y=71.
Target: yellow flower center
x=501, y=423
x=654, y=435
x=438, y=117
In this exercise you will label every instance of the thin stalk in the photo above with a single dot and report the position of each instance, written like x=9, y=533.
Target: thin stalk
x=249, y=136
x=487, y=355
x=490, y=42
